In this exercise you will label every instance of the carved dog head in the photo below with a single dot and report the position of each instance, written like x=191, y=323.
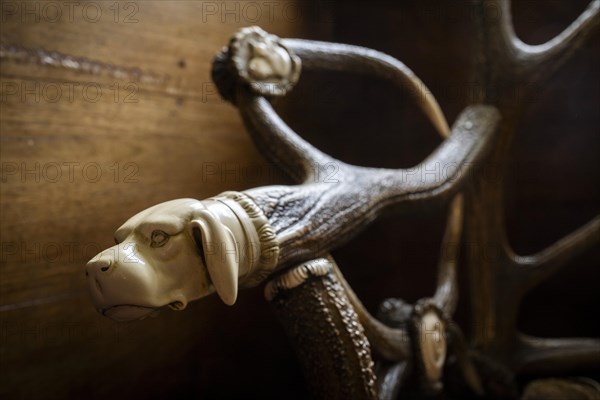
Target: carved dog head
x=169, y=254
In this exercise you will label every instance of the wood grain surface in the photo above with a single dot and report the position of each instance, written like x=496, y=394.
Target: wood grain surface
x=108, y=108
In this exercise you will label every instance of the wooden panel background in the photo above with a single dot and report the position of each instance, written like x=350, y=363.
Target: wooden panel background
x=108, y=108
x=136, y=105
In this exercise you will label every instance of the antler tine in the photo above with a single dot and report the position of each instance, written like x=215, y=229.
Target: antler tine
x=495, y=38
x=559, y=49
x=451, y=164
x=446, y=294
x=538, y=355
x=390, y=379
x=512, y=277
x=502, y=280
x=511, y=60
x=343, y=57
x=277, y=141
x=518, y=274
x=534, y=269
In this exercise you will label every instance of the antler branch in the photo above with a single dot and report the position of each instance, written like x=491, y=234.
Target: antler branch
x=559, y=49
x=499, y=280
x=506, y=61
x=276, y=140
x=536, y=268
x=446, y=294
x=311, y=219
x=451, y=163
x=342, y=57
x=536, y=355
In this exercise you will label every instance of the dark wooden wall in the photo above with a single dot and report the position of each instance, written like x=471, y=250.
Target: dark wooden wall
x=136, y=106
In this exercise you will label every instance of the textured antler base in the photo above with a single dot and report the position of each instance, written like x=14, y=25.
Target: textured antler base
x=324, y=329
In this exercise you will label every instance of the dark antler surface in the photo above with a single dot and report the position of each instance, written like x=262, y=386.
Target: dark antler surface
x=335, y=200
x=499, y=283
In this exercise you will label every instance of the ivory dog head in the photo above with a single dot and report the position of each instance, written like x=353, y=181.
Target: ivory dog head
x=175, y=252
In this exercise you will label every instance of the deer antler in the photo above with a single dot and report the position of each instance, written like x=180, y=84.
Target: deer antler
x=357, y=191
x=498, y=284
x=525, y=59
x=312, y=218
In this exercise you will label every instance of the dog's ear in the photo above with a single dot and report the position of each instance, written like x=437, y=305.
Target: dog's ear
x=221, y=254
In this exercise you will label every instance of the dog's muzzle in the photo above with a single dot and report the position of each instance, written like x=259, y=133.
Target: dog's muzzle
x=119, y=291
x=122, y=312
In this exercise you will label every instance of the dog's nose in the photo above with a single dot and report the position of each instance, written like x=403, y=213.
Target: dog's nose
x=98, y=265
x=93, y=269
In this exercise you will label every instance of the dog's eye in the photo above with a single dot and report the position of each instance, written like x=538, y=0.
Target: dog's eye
x=159, y=239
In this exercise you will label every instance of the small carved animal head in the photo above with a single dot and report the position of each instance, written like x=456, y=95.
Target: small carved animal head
x=168, y=254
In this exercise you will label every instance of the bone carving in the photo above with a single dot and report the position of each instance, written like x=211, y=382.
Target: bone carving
x=262, y=61
x=182, y=250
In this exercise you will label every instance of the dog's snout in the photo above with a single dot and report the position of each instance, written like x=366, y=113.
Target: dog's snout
x=98, y=265
x=94, y=269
